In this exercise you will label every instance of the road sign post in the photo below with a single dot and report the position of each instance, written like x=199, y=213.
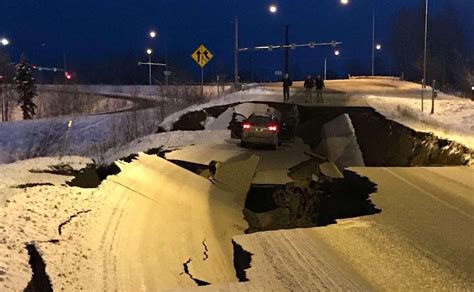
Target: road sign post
x=167, y=75
x=202, y=56
x=202, y=81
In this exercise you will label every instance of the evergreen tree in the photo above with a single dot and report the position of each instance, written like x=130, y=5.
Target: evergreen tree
x=26, y=88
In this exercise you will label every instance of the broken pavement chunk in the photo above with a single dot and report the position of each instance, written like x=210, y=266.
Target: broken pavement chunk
x=329, y=169
x=339, y=143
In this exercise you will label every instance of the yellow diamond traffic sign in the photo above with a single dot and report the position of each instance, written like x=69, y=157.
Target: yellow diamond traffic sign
x=202, y=56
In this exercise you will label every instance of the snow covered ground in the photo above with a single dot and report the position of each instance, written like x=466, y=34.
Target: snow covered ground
x=94, y=135
x=34, y=212
x=453, y=118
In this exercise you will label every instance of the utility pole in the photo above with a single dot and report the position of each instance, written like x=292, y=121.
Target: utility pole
x=236, y=52
x=423, y=86
x=149, y=69
x=373, y=42
x=4, y=112
x=287, y=49
x=149, y=63
x=251, y=67
x=325, y=68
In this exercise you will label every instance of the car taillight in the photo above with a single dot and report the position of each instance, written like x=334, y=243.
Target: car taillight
x=272, y=127
x=246, y=126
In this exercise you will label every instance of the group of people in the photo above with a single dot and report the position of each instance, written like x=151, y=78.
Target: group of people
x=310, y=85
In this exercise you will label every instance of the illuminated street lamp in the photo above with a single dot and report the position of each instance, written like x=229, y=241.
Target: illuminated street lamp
x=149, y=52
x=5, y=43
x=152, y=34
x=344, y=2
x=336, y=53
x=378, y=47
x=273, y=8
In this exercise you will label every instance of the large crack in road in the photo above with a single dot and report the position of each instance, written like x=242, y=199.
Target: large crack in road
x=315, y=197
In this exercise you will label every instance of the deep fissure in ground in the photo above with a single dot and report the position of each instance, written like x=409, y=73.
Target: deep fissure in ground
x=309, y=203
x=40, y=280
x=383, y=142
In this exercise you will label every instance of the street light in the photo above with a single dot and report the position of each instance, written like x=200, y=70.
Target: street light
x=273, y=8
x=5, y=43
x=152, y=34
x=336, y=53
x=344, y=2
x=149, y=52
x=378, y=47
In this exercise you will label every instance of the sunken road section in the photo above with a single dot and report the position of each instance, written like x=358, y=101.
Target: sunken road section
x=382, y=142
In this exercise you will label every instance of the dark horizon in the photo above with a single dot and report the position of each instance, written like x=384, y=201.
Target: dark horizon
x=88, y=30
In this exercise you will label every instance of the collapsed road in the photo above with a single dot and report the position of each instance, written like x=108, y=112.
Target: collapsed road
x=216, y=215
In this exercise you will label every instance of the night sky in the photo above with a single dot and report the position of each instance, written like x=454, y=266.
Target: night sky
x=92, y=28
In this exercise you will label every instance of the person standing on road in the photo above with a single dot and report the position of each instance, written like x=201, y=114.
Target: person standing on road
x=319, y=83
x=308, y=87
x=287, y=83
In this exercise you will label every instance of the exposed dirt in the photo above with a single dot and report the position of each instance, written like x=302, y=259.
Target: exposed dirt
x=309, y=202
x=92, y=175
x=193, y=121
x=384, y=142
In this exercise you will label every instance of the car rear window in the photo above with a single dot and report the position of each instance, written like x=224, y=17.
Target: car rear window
x=260, y=121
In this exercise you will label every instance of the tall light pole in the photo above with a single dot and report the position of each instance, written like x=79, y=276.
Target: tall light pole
x=149, y=52
x=425, y=54
x=5, y=42
x=373, y=42
x=272, y=9
x=336, y=53
x=236, y=51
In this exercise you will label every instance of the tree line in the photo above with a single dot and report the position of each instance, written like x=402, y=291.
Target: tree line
x=450, y=59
